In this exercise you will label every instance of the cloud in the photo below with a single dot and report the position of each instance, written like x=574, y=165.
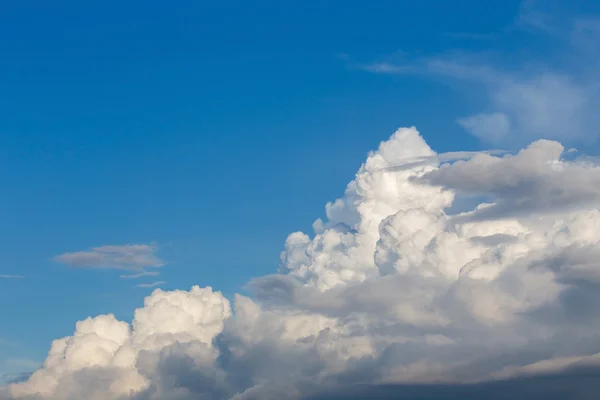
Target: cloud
x=550, y=95
x=572, y=384
x=5, y=276
x=7, y=379
x=391, y=294
x=532, y=17
x=139, y=275
x=100, y=359
x=13, y=370
x=535, y=180
x=493, y=126
x=131, y=257
x=150, y=285
x=549, y=105
x=386, y=68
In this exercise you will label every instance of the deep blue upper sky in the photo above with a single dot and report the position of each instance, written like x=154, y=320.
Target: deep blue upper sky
x=213, y=129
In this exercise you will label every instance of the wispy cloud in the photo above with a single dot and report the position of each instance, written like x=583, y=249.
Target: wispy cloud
x=8, y=276
x=139, y=275
x=130, y=257
x=472, y=35
x=553, y=96
x=531, y=17
x=150, y=285
x=528, y=18
x=386, y=68
x=21, y=363
x=6, y=379
x=14, y=370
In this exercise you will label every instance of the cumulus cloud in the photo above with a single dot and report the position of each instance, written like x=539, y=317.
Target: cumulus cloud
x=131, y=257
x=391, y=294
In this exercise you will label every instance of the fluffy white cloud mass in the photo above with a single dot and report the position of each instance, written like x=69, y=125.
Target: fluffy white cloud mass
x=390, y=288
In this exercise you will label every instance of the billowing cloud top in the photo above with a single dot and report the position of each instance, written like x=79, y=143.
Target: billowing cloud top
x=389, y=289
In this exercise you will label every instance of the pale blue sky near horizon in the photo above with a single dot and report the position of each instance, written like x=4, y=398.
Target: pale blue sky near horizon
x=213, y=131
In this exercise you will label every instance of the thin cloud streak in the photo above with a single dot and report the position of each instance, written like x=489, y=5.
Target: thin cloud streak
x=150, y=285
x=130, y=257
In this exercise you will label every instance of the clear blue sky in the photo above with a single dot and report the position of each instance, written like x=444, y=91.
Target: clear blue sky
x=212, y=129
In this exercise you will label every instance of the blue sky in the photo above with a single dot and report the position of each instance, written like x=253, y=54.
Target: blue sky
x=212, y=131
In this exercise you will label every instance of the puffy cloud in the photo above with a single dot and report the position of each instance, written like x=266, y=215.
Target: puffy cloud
x=342, y=250
x=130, y=257
x=391, y=289
x=100, y=359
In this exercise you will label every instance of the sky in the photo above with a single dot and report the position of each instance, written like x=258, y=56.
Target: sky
x=150, y=145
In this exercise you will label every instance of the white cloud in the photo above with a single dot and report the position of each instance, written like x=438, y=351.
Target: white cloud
x=390, y=288
x=131, y=257
x=5, y=276
x=111, y=349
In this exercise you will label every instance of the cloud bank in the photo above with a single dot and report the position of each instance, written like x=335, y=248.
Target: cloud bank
x=391, y=293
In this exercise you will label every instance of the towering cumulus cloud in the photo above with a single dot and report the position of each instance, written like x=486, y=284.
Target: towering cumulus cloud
x=391, y=288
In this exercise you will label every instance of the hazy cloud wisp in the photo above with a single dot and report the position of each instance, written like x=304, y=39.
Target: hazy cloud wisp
x=527, y=99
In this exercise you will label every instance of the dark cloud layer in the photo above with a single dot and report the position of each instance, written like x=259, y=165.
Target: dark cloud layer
x=577, y=384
